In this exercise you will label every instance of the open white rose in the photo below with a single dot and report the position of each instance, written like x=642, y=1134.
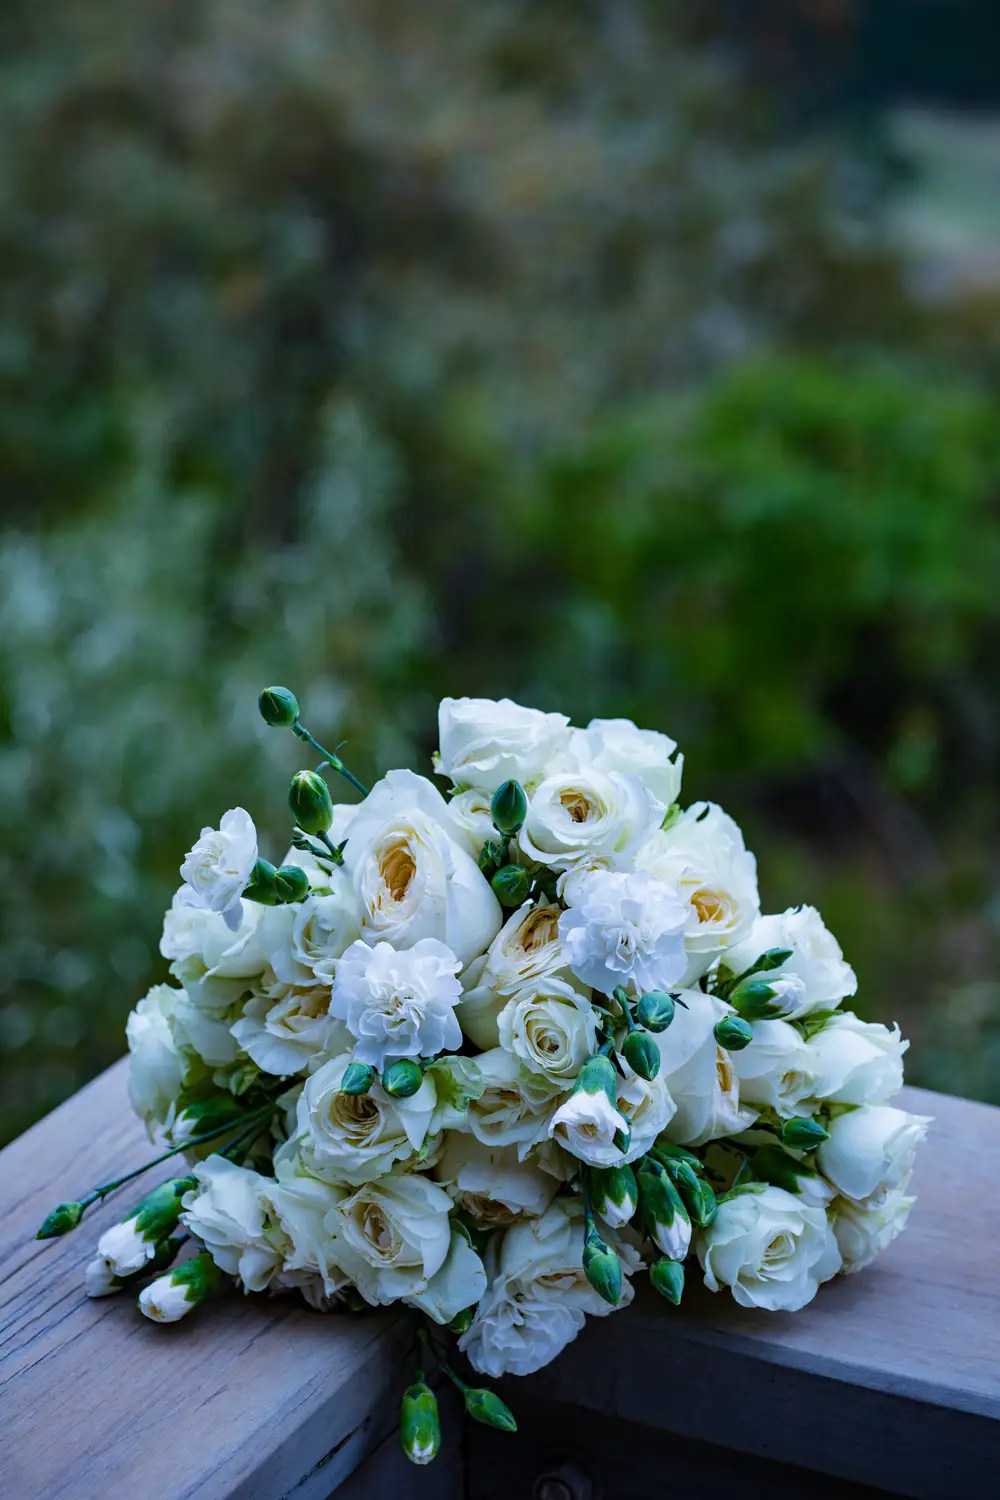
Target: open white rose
x=413, y=876
x=484, y=743
x=551, y=1027
x=624, y=929
x=770, y=1248
x=871, y=1150
x=398, y=1004
x=515, y=1105
x=539, y=1297
x=156, y=1068
x=589, y=817
x=857, y=1062
x=704, y=856
x=392, y=1236
x=218, y=867
x=491, y=1183
x=864, y=1230
x=353, y=1138
x=215, y=965
x=526, y=948
x=288, y=1029
x=816, y=959
x=471, y=812
x=777, y=1070
x=700, y=1075
x=304, y=941
x=617, y=745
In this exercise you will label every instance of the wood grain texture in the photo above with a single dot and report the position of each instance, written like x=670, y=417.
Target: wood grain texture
x=890, y=1378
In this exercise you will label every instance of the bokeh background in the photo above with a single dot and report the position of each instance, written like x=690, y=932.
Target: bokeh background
x=627, y=358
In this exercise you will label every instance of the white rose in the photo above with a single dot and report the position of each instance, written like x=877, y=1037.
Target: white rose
x=303, y=941
x=551, y=1027
x=412, y=874
x=857, y=1062
x=699, y=1074
x=399, y=1004
x=256, y=1227
x=484, y=743
x=156, y=1068
x=589, y=817
x=646, y=1107
x=539, y=1297
x=871, y=1150
x=816, y=959
x=526, y=948
x=515, y=1105
x=289, y=1029
x=864, y=1230
x=491, y=1183
x=704, y=856
x=353, y=1138
x=215, y=965
x=471, y=812
x=777, y=1070
x=458, y=1284
x=770, y=1248
x=617, y=745
x=391, y=1237
x=218, y=867
x=206, y=1033
x=624, y=929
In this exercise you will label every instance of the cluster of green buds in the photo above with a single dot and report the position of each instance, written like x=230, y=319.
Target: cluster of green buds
x=419, y=1417
x=511, y=881
x=662, y=1212
x=755, y=998
x=601, y=1264
x=639, y=1049
x=400, y=1079
x=279, y=885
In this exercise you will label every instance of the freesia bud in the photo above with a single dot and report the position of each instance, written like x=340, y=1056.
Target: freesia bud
x=511, y=885
x=509, y=808
x=655, y=1011
x=667, y=1276
x=171, y=1297
x=63, y=1218
x=642, y=1054
x=310, y=801
x=359, y=1078
x=402, y=1079
x=602, y=1268
x=261, y=887
x=803, y=1135
x=279, y=707
x=614, y=1194
x=733, y=1033
x=485, y=1406
x=419, y=1423
x=291, y=883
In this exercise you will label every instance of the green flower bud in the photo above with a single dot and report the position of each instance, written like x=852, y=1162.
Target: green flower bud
x=486, y=1407
x=642, y=1054
x=655, y=1011
x=752, y=998
x=622, y=1139
x=614, y=1193
x=511, y=885
x=157, y=1215
x=358, y=1078
x=803, y=1135
x=419, y=1424
x=462, y=1322
x=310, y=801
x=491, y=857
x=204, y=1115
x=509, y=808
x=261, y=887
x=402, y=1079
x=63, y=1218
x=696, y=1195
x=662, y=1212
x=598, y=1076
x=733, y=1033
x=279, y=707
x=773, y=1165
x=602, y=1268
x=667, y=1276
x=291, y=883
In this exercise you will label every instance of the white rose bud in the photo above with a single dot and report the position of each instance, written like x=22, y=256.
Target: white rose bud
x=856, y=1062
x=871, y=1150
x=483, y=743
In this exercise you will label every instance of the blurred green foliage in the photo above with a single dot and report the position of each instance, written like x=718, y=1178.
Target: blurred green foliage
x=511, y=351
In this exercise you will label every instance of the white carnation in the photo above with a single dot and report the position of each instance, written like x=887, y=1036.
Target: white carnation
x=156, y=1068
x=218, y=867
x=484, y=743
x=399, y=1004
x=624, y=929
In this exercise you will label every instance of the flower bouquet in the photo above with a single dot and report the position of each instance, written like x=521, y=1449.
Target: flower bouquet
x=493, y=1053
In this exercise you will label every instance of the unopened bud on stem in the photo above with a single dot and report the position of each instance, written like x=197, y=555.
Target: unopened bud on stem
x=509, y=808
x=279, y=707
x=419, y=1424
x=310, y=801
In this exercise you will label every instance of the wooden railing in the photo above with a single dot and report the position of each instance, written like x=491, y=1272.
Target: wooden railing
x=889, y=1380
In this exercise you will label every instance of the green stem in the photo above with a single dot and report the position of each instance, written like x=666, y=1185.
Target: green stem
x=100, y=1193
x=452, y=1376
x=334, y=853
x=621, y=999
x=332, y=759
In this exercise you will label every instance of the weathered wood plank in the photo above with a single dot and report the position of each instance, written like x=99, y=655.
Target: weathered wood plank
x=247, y=1399
x=890, y=1378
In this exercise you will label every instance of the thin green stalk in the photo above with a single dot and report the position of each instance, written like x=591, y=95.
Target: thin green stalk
x=331, y=758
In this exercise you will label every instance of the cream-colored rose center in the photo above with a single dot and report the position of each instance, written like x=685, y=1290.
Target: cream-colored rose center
x=379, y=1232
x=486, y=1210
x=578, y=805
x=543, y=1038
x=780, y=1247
x=540, y=929
x=356, y=1116
x=397, y=868
x=711, y=905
